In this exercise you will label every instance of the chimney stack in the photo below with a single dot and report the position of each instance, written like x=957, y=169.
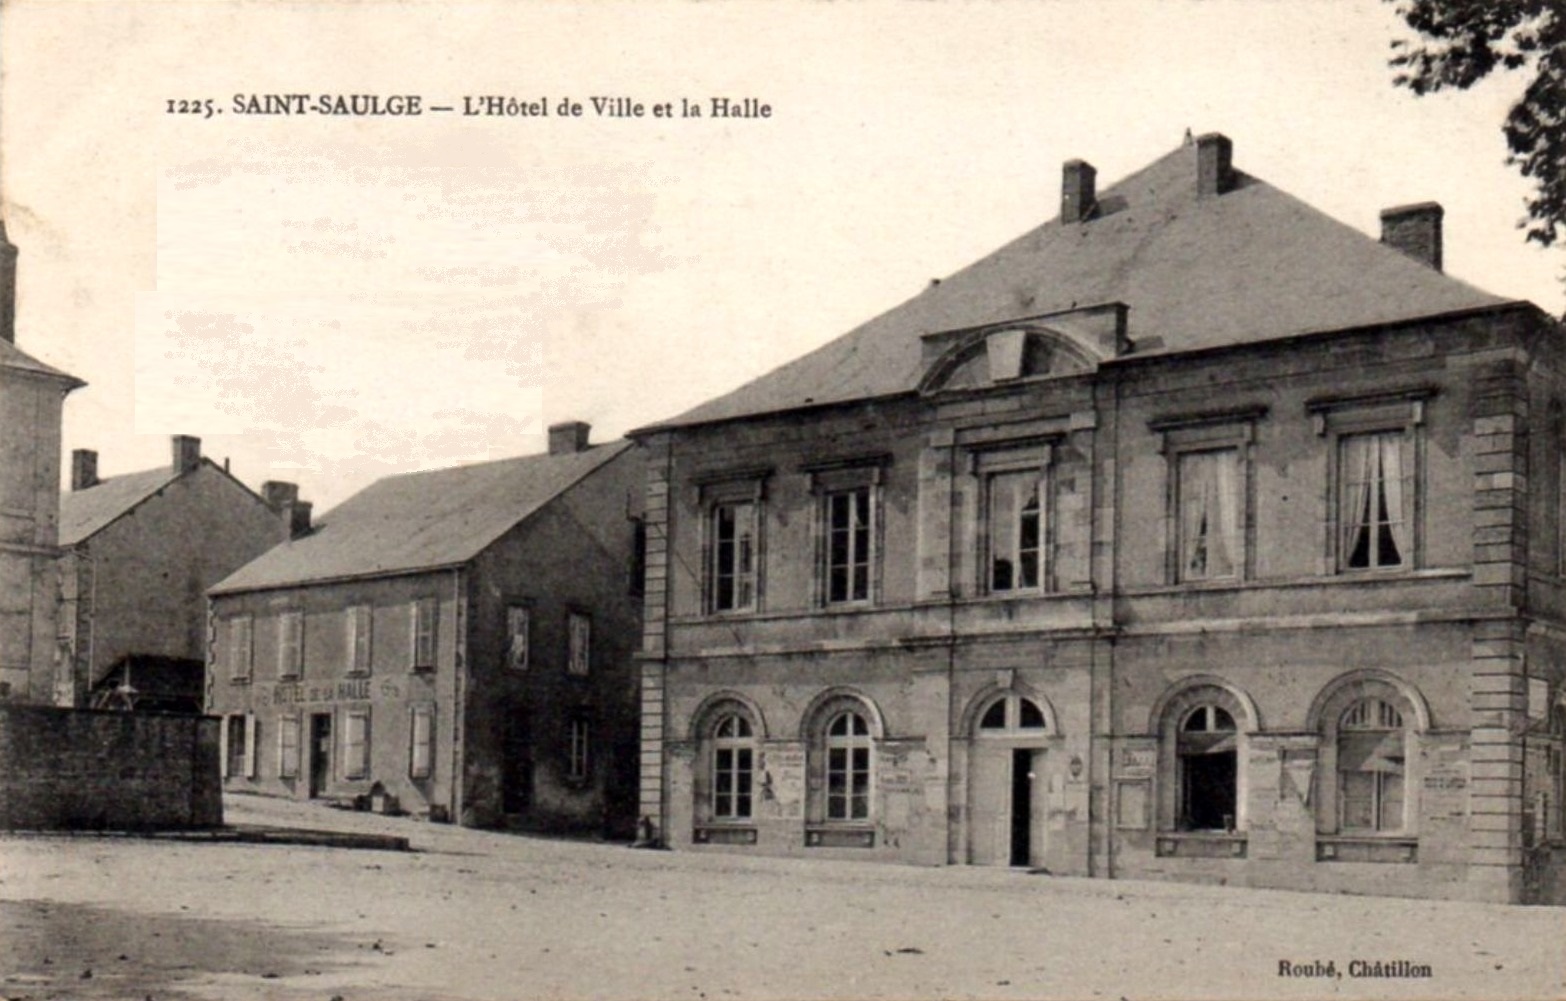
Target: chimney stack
x=7, y=288
x=568, y=437
x=84, y=469
x=1415, y=230
x=187, y=453
x=1077, y=191
x=283, y=498
x=1214, y=175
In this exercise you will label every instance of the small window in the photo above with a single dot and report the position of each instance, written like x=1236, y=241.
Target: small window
x=848, y=767
x=1209, y=506
x=288, y=747
x=519, y=624
x=733, y=768
x=421, y=752
x=359, y=618
x=1011, y=714
x=424, y=613
x=577, y=750
x=580, y=635
x=636, y=574
x=849, y=532
x=734, y=549
x=356, y=744
x=1016, y=531
x=241, y=647
x=1377, y=500
x=290, y=645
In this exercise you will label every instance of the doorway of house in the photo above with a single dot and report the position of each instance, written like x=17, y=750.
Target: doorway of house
x=516, y=773
x=1006, y=825
x=320, y=753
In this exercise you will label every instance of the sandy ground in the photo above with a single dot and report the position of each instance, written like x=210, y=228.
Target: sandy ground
x=481, y=915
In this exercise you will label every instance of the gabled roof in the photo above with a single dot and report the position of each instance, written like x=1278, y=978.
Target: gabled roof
x=13, y=357
x=1252, y=264
x=84, y=513
x=420, y=521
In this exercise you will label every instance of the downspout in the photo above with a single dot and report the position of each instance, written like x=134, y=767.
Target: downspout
x=459, y=687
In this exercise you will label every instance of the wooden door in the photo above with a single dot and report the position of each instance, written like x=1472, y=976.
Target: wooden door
x=989, y=805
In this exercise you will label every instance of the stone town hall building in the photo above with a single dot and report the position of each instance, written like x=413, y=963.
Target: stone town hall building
x=1191, y=535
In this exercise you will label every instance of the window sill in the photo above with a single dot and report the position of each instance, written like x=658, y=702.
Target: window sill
x=1201, y=844
x=239, y=681
x=724, y=834
x=1308, y=580
x=1367, y=848
x=832, y=836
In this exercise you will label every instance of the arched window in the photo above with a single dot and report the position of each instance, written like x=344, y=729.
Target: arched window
x=848, y=748
x=1011, y=714
x=1207, y=765
x=1370, y=767
x=733, y=762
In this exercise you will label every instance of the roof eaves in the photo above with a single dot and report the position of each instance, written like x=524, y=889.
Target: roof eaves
x=220, y=590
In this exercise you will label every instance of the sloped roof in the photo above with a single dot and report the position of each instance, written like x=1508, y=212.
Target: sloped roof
x=13, y=357
x=83, y=513
x=420, y=521
x=1252, y=264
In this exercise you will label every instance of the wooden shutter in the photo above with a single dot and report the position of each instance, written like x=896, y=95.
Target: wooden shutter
x=252, y=738
x=223, y=747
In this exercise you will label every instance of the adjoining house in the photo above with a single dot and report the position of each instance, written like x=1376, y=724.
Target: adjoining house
x=1192, y=535
x=456, y=642
x=32, y=398
x=140, y=551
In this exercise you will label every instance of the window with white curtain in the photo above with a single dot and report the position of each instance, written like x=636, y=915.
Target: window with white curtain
x=1376, y=497
x=1210, y=526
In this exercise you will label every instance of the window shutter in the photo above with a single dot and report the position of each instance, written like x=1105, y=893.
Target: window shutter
x=251, y=739
x=223, y=747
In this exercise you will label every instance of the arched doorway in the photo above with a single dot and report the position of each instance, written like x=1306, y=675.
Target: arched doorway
x=1007, y=793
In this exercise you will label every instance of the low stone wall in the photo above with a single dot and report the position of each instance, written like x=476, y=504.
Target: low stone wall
x=78, y=769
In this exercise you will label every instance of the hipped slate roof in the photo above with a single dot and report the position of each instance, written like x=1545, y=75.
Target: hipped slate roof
x=13, y=357
x=420, y=521
x=1252, y=264
x=83, y=513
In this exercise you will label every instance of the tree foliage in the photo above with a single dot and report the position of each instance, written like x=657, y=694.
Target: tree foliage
x=1463, y=41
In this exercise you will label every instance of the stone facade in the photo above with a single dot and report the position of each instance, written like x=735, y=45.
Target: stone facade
x=1283, y=611
x=32, y=396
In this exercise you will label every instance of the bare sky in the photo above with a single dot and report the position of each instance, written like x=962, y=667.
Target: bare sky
x=331, y=299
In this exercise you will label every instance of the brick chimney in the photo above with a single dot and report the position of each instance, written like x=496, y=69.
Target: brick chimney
x=568, y=437
x=284, y=499
x=1214, y=175
x=84, y=469
x=1077, y=191
x=7, y=288
x=1415, y=230
x=187, y=453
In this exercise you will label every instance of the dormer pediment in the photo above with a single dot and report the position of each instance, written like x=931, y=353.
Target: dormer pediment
x=1052, y=345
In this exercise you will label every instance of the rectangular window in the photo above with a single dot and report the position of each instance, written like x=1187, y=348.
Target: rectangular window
x=356, y=744
x=519, y=621
x=636, y=572
x=848, y=545
x=423, y=641
x=421, y=753
x=288, y=747
x=1016, y=531
x=359, y=619
x=848, y=783
x=577, y=750
x=1376, y=499
x=1209, y=509
x=241, y=647
x=579, y=629
x=290, y=644
x=1370, y=781
x=733, y=571
x=732, y=772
